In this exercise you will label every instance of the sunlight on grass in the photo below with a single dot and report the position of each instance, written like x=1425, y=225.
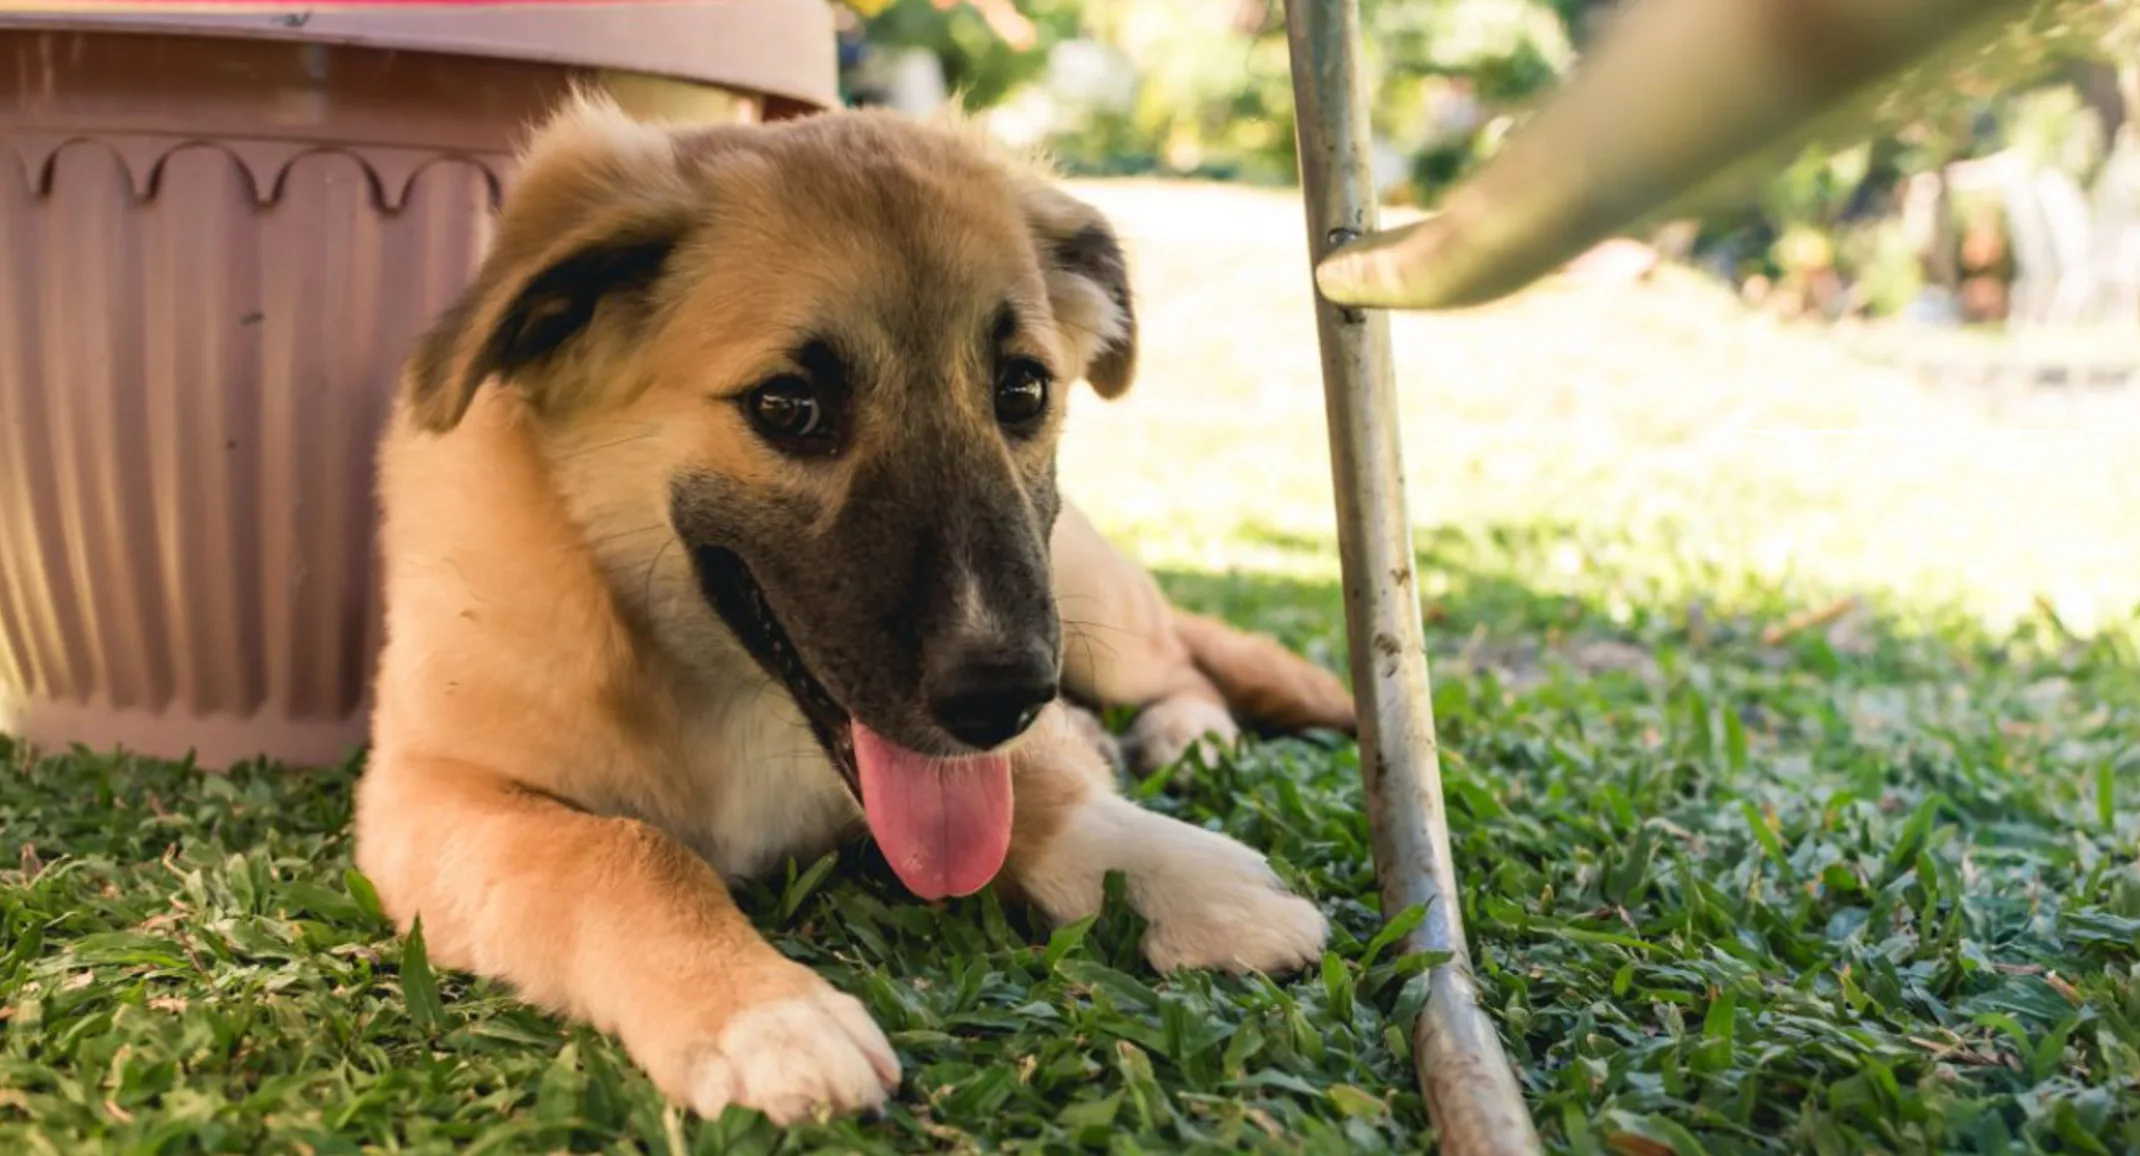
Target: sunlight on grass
x=1662, y=416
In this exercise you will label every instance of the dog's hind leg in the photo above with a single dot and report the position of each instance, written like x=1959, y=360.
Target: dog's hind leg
x=1190, y=678
x=1262, y=681
x=1207, y=900
x=611, y=921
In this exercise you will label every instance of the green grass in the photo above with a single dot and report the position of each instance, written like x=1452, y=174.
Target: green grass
x=1855, y=891
x=1749, y=869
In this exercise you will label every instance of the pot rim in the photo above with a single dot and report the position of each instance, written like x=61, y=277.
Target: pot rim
x=779, y=48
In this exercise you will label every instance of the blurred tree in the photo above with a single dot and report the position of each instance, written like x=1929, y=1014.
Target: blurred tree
x=1214, y=95
x=1201, y=87
x=988, y=47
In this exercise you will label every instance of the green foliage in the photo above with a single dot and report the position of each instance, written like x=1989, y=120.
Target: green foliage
x=1213, y=90
x=1212, y=101
x=1449, y=78
x=2055, y=129
x=1508, y=49
x=978, y=65
x=1884, y=262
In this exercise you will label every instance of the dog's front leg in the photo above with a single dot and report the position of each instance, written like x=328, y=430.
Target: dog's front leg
x=1207, y=900
x=611, y=921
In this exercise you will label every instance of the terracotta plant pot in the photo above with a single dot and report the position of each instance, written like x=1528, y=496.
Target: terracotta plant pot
x=218, y=236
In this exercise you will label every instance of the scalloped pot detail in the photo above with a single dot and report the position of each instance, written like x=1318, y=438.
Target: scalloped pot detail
x=188, y=523
x=217, y=243
x=265, y=162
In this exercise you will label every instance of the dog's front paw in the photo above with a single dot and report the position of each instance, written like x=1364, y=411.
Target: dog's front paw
x=1166, y=730
x=1221, y=907
x=794, y=1058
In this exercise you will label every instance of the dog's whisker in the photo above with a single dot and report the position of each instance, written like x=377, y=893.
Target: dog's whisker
x=568, y=455
x=1098, y=628
x=620, y=535
x=1081, y=644
x=1094, y=624
x=1094, y=628
x=652, y=566
x=1082, y=641
x=1088, y=636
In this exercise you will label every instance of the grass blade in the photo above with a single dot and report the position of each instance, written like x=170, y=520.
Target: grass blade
x=419, y=987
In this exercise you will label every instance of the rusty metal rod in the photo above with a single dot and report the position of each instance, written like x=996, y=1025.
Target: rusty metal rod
x=1676, y=95
x=1470, y=1088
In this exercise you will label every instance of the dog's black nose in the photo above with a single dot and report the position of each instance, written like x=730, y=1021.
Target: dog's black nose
x=987, y=698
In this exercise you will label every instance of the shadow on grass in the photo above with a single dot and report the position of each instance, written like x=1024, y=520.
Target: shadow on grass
x=1752, y=870
x=1744, y=871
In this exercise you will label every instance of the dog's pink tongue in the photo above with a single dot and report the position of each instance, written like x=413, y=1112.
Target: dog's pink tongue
x=945, y=824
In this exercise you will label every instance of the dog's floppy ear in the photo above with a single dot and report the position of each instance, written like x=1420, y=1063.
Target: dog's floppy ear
x=580, y=244
x=511, y=326
x=1088, y=284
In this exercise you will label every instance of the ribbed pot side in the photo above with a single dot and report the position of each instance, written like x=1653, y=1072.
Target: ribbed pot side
x=214, y=254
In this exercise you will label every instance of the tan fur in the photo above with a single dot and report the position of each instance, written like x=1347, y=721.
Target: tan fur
x=570, y=752
x=1193, y=675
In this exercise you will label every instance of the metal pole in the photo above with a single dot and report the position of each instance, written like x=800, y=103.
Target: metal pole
x=1470, y=1089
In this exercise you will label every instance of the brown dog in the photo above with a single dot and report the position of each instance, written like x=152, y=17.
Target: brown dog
x=718, y=521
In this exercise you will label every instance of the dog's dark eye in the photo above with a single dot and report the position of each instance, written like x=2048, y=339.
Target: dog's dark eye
x=1021, y=393
x=789, y=411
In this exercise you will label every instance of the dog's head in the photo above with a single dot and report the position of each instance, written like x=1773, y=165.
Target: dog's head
x=819, y=368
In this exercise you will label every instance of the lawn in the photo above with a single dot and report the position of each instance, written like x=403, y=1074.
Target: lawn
x=1791, y=714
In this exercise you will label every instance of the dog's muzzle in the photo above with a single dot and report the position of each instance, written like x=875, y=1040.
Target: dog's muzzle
x=736, y=596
